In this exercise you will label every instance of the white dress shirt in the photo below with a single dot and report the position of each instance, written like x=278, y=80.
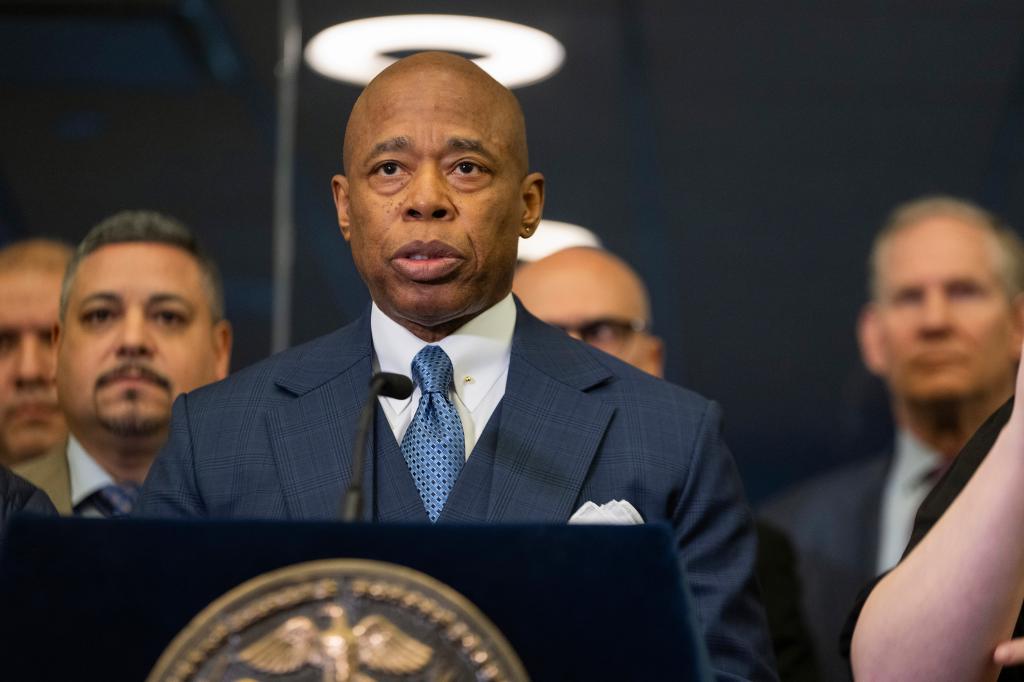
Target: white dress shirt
x=86, y=478
x=479, y=351
x=909, y=481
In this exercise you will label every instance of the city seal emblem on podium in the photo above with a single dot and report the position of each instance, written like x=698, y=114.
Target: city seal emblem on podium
x=340, y=620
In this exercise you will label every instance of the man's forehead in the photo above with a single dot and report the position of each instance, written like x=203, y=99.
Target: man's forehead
x=26, y=316
x=939, y=245
x=454, y=143
x=122, y=257
x=412, y=117
x=574, y=297
x=895, y=274
x=29, y=278
x=449, y=98
x=592, y=276
x=30, y=291
x=139, y=270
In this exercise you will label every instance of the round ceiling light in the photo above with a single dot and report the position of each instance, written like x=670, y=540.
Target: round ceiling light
x=552, y=236
x=356, y=51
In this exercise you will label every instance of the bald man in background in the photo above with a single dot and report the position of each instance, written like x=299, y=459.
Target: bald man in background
x=598, y=298
x=595, y=297
x=31, y=423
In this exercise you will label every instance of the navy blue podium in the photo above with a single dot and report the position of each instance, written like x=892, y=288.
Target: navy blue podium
x=92, y=599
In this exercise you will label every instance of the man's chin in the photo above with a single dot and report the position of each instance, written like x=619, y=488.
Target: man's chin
x=23, y=445
x=430, y=313
x=940, y=394
x=134, y=423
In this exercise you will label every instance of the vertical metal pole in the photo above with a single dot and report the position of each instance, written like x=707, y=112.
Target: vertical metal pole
x=284, y=164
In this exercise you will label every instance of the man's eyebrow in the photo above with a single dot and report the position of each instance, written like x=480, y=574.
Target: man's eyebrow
x=463, y=144
x=467, y=144
x=105, y=296
x=393, y=145
x=157, y=299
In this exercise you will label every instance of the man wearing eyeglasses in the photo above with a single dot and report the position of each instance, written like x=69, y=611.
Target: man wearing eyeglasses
x=595, y=297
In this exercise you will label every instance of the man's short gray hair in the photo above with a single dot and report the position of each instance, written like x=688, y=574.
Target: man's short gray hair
x=1009, y=249
x=146, y=226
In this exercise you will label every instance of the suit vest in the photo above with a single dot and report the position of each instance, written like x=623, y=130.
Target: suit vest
x=395, y=498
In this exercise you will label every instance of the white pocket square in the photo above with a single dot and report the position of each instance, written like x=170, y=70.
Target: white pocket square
x=614, y=513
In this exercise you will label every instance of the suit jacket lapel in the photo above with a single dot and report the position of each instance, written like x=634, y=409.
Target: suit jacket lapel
x=550, y=427
x=312, y=435
x=549, y=430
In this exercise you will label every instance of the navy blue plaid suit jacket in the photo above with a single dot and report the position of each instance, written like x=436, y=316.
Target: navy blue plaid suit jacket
x=274, y=441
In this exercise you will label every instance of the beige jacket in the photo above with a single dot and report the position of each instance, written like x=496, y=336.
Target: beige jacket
x=50, y=472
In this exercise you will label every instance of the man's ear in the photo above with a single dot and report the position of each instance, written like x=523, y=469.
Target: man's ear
x=339, y=188
x=532, y=190
x=654, y=356
x=871, y=342
x=223, y=337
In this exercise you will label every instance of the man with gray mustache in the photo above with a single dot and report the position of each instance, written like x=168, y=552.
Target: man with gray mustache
x=141, y=321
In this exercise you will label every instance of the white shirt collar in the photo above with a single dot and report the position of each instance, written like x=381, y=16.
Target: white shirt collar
x=87, y=476
x=479, y=350
x=914, y=461
x=906, y=486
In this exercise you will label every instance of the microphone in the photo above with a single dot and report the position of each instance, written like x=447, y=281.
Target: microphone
x=381, y=384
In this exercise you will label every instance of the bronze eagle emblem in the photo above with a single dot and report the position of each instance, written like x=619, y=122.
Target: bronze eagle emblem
x=338, y=650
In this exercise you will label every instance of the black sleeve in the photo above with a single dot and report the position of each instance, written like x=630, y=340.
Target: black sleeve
x=936, y=503
x=780, y=590
x=39, y=503
x=17, y=494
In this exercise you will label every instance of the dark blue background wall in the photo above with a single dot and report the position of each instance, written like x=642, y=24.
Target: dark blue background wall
x=739, y=154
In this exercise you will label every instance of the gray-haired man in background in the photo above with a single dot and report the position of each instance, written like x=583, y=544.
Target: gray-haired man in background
x=943, y=330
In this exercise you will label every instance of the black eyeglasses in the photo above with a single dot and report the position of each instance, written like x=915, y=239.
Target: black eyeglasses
x=607, y=333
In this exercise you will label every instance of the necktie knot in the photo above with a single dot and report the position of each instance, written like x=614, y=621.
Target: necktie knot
x=432, y=370
x=116, y=499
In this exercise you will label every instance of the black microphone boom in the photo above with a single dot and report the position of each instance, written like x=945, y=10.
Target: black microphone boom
x=381, y=384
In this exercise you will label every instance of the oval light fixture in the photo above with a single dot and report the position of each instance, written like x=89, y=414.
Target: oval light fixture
x=552, y=236
x=513, y=54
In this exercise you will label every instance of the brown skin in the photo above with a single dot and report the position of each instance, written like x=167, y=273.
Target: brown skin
x=436, y=194
x=943, y=333
x=580, y=285
x=31, y=422
x=138, y=331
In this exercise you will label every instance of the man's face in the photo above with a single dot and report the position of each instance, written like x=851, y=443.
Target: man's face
x=137, y=332
x=30, y=420
x=595, y=298
x=435, y=199
x=942, y=327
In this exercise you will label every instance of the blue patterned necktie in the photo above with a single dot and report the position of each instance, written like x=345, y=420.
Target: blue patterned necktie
x=434, y=446
x=114, y=501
